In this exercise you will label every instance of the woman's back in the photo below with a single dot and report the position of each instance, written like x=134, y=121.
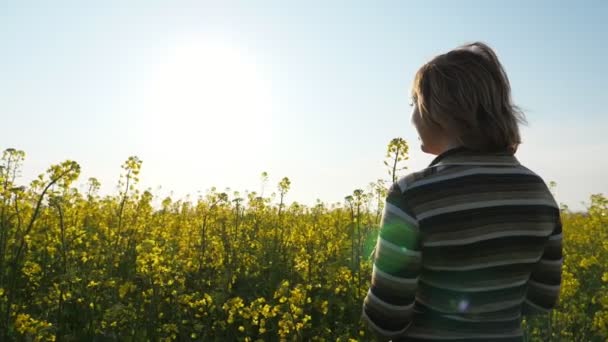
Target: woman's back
x=466, y=245
x=473, y=241
x=484, y=222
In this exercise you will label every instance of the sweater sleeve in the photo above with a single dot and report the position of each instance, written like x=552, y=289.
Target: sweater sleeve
x=388, y=306
x=545, y=280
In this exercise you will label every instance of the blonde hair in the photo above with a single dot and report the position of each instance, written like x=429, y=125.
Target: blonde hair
x=466, y=93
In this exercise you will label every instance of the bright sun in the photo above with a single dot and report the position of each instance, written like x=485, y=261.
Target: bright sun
x=206, y=98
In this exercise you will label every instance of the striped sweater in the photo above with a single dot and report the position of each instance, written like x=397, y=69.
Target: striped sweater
x=466, y=247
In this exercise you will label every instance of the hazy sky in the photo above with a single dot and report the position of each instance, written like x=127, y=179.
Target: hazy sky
x=212, y=93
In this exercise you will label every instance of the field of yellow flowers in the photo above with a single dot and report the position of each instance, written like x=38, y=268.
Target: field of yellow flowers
x=76, y=266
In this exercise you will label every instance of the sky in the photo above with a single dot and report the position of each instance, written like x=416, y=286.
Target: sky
x=213, y=93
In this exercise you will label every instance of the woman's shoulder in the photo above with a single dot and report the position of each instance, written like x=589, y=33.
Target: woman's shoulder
x=444, y=173
x=413, y=178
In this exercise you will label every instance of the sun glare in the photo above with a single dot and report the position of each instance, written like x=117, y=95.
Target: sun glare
x=206, y=98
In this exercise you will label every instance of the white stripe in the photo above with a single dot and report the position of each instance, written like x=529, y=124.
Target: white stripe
x=404, y=281
x=551, y=262
x=480, y=309
x=478, y=266
x=537, y=307
x=555, y=237
x=479, y=288
x=502, y=162
x=454, y=336
x=463, y=319
x=372, y=296
x=401, y=250
x=483, y=204
x=553, y=288
x=497, y=306
x=469, y=172
x=388, y=333
x=487, y=236
x=395, y=210
x=403, y=181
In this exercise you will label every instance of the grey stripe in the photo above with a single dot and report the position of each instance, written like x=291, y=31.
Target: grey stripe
x=404, y=181
x=545, y=287
x=397, y=249
x=555, y=237
x=404, y=281
x=479, y=288
x=497, y=305
x=484, y=204
x=476, y=163
x=393, y=209
x=551, y=262
x=455, y=336
x=482, y=237
x=480, y=309
x=464, y=319
x=483, y=265
x=384, y=332
x=389, y=306
x=536, y=306
x=473, y=171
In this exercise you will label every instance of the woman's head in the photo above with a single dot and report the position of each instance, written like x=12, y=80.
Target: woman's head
x=463, y=98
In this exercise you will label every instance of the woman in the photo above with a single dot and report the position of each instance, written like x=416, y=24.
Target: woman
x=473, y=242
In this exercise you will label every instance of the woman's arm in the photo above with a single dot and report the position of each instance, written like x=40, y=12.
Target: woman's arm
x=388, y=306
x=545, y=281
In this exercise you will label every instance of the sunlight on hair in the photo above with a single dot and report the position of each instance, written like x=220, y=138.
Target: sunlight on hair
x=474, y=49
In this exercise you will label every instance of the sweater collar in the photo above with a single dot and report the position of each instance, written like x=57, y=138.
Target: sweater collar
x=465, y=156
